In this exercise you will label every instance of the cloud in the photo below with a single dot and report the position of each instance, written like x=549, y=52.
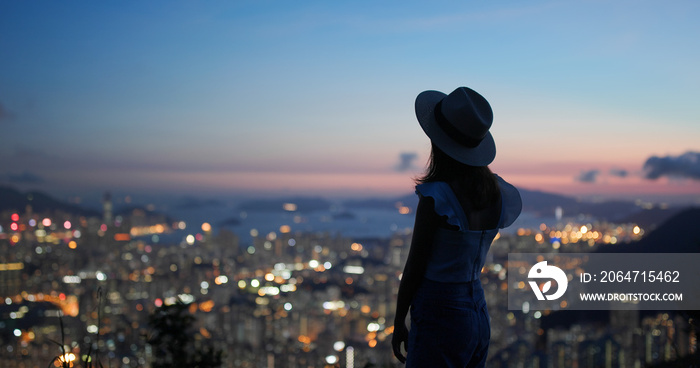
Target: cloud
x=686, y=165
x=588, y=176
x=620, y=173
x=406, y=161
x=25, y=178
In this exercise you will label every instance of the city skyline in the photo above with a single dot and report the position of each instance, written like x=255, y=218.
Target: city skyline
x=317, y=98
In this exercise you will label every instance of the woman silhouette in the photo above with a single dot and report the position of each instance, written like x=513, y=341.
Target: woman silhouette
x=462, y=204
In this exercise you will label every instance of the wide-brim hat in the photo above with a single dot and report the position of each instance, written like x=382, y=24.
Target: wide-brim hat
x=458, y=124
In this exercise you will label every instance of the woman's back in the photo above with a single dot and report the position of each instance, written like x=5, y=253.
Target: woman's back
x=480, y=218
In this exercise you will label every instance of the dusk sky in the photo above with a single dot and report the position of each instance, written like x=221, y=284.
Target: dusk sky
x=316, y=97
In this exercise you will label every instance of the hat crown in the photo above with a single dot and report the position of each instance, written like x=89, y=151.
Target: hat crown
x=468, y=112
x=458, y=124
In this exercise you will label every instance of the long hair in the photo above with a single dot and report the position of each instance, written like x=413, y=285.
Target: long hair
x=479, y=181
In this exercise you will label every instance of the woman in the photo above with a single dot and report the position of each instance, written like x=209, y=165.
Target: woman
x=462, y=205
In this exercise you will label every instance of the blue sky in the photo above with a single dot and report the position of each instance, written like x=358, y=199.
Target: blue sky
x=317, y=97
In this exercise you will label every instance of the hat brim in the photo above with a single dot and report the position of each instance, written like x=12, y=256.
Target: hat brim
x=480, y=155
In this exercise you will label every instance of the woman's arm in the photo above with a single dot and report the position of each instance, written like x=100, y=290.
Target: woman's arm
x=426, y=224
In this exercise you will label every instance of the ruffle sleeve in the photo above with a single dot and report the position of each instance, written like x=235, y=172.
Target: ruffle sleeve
x=512, y=204
x=446, y=202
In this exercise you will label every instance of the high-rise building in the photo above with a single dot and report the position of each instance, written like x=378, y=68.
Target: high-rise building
x=107, y=208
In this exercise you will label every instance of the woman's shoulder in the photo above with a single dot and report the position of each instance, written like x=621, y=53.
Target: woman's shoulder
x=433, y=189
x=444, y=201
x=512, y=203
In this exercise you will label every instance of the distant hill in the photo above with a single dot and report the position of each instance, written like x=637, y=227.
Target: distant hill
x=536, y=202
x=651, y=218
x=542, y=203
x=13, y=200
x=678, y=234
x=192, y=203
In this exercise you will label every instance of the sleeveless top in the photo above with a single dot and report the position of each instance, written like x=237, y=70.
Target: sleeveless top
x=459, y=255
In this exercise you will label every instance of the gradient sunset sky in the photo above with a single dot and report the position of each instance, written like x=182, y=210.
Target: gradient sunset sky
x=316, y=97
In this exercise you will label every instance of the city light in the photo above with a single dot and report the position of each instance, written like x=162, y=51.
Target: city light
x=334, y=305
x=185, y=298
x=189, y=239
x=356, y=270
x=297, y=282
x=15, y=266
x=67, y=358
x=122, y=237
x=268, y=290
x=350, y=357
x=71, y=279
